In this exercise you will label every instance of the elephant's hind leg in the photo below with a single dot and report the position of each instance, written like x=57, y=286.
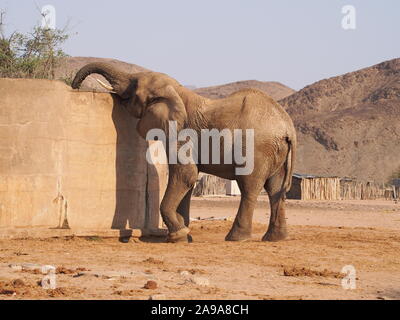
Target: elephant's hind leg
x=241, y=229
x=277, y=225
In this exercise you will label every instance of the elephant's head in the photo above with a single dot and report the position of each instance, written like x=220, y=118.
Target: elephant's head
x=150, y=96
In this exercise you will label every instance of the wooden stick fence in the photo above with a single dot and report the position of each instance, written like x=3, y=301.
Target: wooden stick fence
x=355, y=190
x=209, y=185
x=312, y=188
x=320, y=189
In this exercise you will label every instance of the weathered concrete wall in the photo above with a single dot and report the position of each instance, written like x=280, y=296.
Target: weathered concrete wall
x=72, y=158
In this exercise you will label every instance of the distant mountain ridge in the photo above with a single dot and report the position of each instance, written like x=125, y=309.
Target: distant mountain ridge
x=275, y=89
x=350, y=125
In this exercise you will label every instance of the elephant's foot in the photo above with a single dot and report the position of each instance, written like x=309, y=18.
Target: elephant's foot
x=276, y=234
x=181, y=235
x=237, y=235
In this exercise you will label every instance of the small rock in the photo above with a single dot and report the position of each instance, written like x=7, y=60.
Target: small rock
x=15, y=267
x=64, y=270
x=200, y=281
x=8, y=292
x=113, y=275
x=150, y=285
x=110, y=278
x=31, y=266
x=47, y=269
x=184, y=273
x=158, y=297
x=48, y=283
x=20, y=253
x=18, y=283
x=79, y=274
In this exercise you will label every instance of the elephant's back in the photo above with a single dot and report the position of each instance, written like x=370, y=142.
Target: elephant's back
x=261, y=112
x=251, y=109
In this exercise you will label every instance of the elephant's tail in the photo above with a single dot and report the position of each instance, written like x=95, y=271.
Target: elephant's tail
x=289, y=164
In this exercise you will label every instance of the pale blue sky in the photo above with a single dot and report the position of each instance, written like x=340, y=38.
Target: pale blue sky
x=210, y=42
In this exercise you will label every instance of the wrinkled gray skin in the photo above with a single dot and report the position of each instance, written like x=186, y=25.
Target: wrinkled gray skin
x=155, y=98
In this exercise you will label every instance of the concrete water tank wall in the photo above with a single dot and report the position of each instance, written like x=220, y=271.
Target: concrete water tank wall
x=73, y=159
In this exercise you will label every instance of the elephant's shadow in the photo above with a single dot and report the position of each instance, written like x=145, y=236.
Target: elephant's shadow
x=131, y=174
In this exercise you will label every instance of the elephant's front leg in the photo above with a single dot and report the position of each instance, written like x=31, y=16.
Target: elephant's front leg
x=181, y=180
x=184, y=209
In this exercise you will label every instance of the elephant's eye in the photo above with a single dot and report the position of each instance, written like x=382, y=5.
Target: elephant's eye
x=153, y=100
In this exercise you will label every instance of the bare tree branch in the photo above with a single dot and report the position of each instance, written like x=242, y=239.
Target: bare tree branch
x=2, y=15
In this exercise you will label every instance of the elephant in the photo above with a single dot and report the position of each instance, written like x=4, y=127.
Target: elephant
x=157, y=99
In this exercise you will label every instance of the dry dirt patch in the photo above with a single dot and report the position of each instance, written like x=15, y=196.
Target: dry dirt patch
x=305, y=266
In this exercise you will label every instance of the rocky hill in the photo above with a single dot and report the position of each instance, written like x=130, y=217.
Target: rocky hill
x=275, y=89
x=350, y=125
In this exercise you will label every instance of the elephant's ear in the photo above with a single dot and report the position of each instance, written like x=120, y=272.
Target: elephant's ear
x=165, y=105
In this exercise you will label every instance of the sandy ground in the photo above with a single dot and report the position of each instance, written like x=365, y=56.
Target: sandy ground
x=324, y=237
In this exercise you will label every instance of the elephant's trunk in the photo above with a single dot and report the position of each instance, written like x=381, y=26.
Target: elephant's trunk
x=120, y=81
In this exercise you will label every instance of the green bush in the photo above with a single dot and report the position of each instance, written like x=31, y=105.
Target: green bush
x=33, y=55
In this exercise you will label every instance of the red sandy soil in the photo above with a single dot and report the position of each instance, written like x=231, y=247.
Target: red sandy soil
x=324, y=237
